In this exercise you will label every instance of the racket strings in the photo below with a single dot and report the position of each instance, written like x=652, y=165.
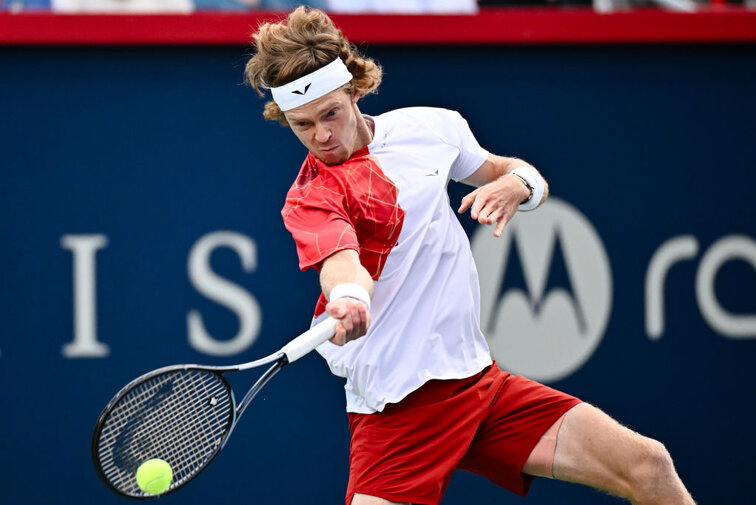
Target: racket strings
x=178, y=416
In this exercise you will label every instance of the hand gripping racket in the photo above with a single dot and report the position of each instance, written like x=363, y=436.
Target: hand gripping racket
x=183, y=414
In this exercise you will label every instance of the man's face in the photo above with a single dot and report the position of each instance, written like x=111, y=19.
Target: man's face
x=327, y=126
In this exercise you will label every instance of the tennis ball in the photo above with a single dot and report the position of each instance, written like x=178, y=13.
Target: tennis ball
x=154, y=476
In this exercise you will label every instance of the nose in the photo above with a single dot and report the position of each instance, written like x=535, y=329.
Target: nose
x=322, y=133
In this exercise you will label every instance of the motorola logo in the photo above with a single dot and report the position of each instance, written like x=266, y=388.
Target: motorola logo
x=546, y=291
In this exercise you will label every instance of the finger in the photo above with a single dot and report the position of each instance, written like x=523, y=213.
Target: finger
x=467, y=201
x=501, y=223
x=476, y=206
x=489, y=213
x=364, y=320
x=337, y=311
x=358, y=318
x=339, y=337
x=483, y=213
x=347, y=323
x=495, y=214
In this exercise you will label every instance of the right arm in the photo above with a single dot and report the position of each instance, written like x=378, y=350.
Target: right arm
x=344, y=267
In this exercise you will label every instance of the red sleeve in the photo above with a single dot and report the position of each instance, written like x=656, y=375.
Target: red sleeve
x=316, y=215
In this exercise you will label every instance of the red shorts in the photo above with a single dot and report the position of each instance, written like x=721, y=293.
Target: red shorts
x=487, y=424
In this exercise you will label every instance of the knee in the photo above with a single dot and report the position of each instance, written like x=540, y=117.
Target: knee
x=651, y=472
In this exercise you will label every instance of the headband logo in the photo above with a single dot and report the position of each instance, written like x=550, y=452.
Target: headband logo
x=298, y=92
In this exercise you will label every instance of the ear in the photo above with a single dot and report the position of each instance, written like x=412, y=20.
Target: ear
x=356, y=96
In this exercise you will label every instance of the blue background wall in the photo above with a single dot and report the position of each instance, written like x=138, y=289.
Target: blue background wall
x=157, y=147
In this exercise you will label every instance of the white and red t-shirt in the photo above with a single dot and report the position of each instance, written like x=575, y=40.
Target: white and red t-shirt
x=389, y=202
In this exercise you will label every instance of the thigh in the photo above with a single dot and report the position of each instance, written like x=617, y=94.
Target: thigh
x=594, y=449
x=521, y=412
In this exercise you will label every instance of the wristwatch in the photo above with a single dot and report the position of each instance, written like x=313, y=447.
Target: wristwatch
x=527, y=185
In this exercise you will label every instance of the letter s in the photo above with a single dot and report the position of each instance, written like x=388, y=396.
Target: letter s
x=224, y=292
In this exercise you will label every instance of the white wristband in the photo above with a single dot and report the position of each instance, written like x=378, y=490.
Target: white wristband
x=351, y=290
x=535, y=183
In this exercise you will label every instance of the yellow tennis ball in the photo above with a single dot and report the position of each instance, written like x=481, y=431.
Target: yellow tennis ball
x=154, y=476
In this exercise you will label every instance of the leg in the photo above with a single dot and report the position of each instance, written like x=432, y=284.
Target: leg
x=595, y=450
x=363, y=499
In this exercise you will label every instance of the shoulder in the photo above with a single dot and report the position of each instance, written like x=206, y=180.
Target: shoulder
x=443, y=125
x=421, y=114
x=436, y=119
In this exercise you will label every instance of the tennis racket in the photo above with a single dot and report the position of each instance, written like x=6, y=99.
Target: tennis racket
x=183, y=414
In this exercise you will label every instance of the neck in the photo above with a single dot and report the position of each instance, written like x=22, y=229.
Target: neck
x=365, y=129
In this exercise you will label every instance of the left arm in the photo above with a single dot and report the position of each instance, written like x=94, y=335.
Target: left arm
x=499, y=193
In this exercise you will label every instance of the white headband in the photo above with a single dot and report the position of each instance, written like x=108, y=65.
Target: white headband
x=311, y=86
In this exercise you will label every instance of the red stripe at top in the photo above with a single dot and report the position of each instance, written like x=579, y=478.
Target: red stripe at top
x=490, y=26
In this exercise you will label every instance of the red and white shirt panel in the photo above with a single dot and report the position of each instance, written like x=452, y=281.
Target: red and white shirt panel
x=390, y=203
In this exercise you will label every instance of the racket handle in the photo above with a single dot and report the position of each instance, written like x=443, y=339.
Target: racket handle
x=310, y=339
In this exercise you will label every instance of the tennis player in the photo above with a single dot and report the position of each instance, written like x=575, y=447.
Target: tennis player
x=369, y=211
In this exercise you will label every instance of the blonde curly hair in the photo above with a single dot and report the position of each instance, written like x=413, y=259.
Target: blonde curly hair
x=298, y=45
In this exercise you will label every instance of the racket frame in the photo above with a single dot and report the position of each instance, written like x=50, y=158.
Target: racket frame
x=237, y=409
x=292, y=351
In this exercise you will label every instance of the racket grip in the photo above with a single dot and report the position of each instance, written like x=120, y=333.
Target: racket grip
x=310, y=339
